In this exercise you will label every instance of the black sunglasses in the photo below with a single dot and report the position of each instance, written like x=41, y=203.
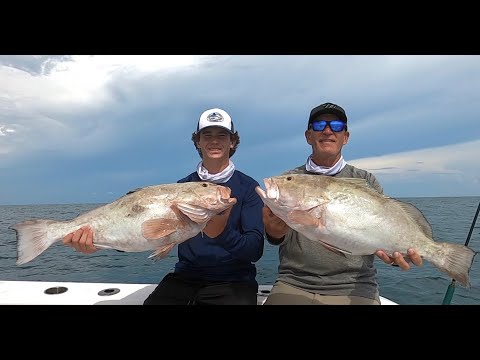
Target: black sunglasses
x=335, y=125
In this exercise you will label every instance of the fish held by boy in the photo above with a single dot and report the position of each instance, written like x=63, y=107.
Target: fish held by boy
x=150, y=218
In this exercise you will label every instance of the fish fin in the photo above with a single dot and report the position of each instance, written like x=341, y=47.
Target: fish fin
x=132, y=191
x=194, y=213
x=335, y=249
x=305, y=217
x=103, y=247
x=158, y=228
x=161, y=252
x=357, y=181
x=456, y=261
x=417, y=216
x=363, y=183
x=32, y=239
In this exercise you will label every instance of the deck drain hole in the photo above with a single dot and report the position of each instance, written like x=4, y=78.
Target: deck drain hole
x=56, y=290
x=108, y=292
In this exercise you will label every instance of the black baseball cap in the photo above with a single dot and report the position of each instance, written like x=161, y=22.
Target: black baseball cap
x=327, y=108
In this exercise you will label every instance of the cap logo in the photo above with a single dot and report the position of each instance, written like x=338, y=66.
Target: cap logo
x=327, y=106
x=215, y=117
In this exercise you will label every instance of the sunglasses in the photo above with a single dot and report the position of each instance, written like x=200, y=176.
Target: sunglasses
x=335, y=125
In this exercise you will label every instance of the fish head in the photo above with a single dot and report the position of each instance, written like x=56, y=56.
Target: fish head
x=212, y=196
x=201, y=201
x=282, y=191
x=294, y=191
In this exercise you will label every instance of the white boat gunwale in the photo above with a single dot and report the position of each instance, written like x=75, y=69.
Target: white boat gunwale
x=21, y=292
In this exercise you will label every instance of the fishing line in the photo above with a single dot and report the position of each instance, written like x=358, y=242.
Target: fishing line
x=451, y=288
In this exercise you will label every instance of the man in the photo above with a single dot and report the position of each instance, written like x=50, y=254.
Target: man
x=309, y=273
x=217, y=265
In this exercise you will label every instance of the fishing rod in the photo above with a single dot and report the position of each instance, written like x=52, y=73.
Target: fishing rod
x=451, y=288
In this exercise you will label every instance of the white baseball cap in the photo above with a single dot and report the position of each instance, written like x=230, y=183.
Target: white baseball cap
x=215, y=117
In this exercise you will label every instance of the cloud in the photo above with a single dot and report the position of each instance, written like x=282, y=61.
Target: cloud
x=74, y=106
x=450, y=160
x=125, y=120
x=455, y=164
x=34, y=65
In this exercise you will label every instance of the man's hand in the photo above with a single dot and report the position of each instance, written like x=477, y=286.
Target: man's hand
x=81, y=240
x=217, y=224
x=398, y=259
x=275, y=227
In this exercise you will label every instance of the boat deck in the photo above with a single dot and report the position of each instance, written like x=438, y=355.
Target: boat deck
x=83, y=293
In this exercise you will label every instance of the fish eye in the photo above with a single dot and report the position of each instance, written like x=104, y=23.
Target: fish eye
x=289, y=178
x=204, y=185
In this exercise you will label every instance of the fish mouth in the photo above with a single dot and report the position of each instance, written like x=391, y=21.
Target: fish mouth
x=223, y=195
x=272, y=192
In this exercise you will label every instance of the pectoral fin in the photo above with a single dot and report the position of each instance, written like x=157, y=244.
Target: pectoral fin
x=308, y=218
x=335, y=249
x=157, y=228
x=161, y=252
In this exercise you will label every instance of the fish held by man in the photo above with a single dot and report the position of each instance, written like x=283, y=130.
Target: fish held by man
x=150, y=218
x=349, y=217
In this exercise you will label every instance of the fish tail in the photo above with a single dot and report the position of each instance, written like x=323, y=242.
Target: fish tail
x=32, y=239
x=457, y=262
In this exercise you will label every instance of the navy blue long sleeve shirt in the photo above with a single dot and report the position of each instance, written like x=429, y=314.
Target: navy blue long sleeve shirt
x=231, y=255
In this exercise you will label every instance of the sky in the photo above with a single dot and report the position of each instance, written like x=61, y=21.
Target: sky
x=87, y=129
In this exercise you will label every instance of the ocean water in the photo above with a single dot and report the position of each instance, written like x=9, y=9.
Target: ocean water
x=450, y=218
